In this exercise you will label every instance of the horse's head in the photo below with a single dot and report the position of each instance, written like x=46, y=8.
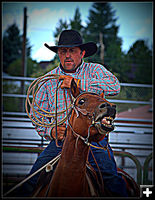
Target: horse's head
x=92, y=112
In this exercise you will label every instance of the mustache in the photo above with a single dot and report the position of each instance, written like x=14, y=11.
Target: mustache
x=68, y=60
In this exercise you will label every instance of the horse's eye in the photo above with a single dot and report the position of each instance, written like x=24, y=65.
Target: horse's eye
x=81, y=101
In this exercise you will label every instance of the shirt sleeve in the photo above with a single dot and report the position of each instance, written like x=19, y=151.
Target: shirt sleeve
x=42, y=100
x=101, y=80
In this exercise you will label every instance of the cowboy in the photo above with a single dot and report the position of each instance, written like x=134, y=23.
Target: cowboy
x=90, y=77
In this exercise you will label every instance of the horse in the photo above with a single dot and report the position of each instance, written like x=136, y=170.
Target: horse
x=90, y=119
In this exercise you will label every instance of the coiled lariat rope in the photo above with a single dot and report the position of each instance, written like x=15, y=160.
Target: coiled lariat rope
x=34, y=88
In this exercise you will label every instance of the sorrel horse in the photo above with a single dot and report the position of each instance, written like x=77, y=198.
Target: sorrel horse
x=90, y=120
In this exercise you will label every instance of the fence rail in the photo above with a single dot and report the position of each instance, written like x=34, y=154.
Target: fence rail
x=111, y=100
x=16, y=78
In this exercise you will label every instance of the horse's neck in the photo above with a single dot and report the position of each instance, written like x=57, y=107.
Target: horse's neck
x=69, y=177
x=74, y=150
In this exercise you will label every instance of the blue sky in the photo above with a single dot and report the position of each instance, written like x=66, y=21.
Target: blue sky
x=135, y=20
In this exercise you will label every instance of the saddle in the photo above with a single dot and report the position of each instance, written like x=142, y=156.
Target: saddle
x=95, y=185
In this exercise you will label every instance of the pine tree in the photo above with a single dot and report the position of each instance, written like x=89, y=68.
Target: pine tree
x=102, y=30
x=140, y=59
x=12, y=46
x=72, y=24
x=62, y=25
x=75, y=24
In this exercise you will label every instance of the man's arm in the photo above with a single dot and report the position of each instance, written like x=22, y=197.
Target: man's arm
x=101, y=80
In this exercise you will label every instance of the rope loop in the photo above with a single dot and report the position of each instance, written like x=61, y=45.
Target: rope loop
x=39, y=114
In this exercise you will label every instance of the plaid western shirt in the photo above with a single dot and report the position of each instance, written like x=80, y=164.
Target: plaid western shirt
x=94, y=78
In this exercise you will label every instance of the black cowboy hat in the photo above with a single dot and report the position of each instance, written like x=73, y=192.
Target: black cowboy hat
x=71, y=38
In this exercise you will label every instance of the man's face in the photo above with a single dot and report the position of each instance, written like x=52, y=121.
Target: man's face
x=70, y=57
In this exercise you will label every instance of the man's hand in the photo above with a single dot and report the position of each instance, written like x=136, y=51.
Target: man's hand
x=67, y=81
x=60, y=131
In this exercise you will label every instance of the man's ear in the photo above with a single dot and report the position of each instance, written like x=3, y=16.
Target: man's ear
x=74, y=89
x=83, y=53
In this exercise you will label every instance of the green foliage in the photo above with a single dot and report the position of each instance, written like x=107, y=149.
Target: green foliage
x=75, y=24
x=140, y=59
x=9, y=87
x=50, y=67
x=12, y=46
x=11, y=104
x=15, y=68
x=62, y=25
x=115, y=61
x=100, y=19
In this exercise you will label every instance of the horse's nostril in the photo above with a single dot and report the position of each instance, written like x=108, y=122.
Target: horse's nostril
x=103, y=105
x=113, y=106
x=107, y=105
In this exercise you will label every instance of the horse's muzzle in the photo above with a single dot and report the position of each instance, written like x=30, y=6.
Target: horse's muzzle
x=104, y=117
x=109, y=109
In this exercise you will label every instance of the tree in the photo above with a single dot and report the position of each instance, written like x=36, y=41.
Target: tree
x=62, y=25
x=102, y=30
x=54, y=63
x=12, y=46
x=140, y=59
x=75, y=24
x=15, y=68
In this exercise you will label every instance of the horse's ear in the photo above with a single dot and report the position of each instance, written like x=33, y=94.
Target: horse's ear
x=74, y=89
x=102, y=94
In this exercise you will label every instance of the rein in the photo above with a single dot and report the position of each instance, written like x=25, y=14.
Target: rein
x=50, y=163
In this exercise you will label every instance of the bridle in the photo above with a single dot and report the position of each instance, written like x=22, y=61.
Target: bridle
x=84, y=112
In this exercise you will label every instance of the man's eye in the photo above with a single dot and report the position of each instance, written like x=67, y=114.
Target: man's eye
x=63, y=51
x=81, y=101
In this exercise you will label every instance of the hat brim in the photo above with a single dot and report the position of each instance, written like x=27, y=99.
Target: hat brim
x=89, y=47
